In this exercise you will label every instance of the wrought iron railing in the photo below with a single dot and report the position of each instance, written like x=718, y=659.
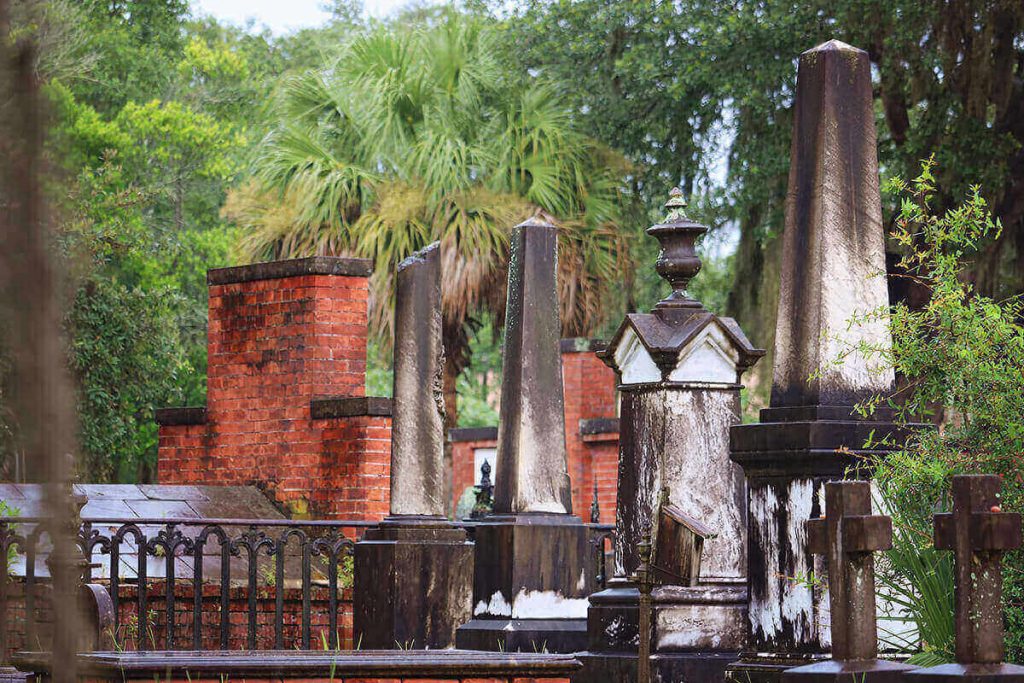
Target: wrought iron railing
x=181, y=553
x=145, y=562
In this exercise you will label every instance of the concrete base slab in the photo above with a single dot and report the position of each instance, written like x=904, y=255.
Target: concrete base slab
x=760, y=668
x=669, y=667
x=523, y=635
x=974, y=673
x=831, y=671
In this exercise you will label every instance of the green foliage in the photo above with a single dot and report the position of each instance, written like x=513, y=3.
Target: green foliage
x=959, y=359
x=128, y=359
x=917, y=581
x=416, y=134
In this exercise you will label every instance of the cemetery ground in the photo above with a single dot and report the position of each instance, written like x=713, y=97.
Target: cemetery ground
x=621, y=522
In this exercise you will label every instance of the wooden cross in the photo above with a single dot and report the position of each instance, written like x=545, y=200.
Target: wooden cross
x=978, y=532
x=847, y=536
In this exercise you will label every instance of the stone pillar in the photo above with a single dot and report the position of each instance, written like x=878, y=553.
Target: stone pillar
x=833, y=257
x=413, y=573
x=679, y=369
x=533, y=561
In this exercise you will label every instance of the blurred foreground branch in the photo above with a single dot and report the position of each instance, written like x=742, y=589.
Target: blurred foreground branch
x=30, y=314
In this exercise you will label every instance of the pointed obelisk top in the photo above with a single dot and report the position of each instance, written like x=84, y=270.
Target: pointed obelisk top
x=532, y=467
x=833, y=249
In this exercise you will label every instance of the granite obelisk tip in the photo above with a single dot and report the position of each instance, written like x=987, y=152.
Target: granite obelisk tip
x=833, y=245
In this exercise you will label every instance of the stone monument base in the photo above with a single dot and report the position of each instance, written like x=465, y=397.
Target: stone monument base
x=865, y=671
x=974, y=673
x=767, y=668
x=668, y=667
x=533, y=574
x=413, y=584
x=696, y=632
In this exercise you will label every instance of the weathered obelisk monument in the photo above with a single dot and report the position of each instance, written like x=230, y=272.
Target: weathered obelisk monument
x=414, y=572
x=679, y=369
x=533, y=570
x=833, y=258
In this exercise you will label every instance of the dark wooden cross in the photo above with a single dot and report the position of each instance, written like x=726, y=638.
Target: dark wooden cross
x=848, y=536
x=978, y=532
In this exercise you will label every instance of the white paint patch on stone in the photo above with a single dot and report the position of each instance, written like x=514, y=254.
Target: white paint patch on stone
x=711, y=356
x=765, y=610
x=634, y=362
x=613, y=631
x=797, y=598
x=529, y=604
x=497, y=607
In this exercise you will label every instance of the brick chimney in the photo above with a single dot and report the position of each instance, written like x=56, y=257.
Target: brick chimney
x=286, y=407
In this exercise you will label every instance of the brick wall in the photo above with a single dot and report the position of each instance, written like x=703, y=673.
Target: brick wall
x=591, y=427
x=285, y=392
x=127, y=635
x=591, y=432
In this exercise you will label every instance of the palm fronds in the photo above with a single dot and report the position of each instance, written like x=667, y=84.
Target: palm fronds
x=414, y=135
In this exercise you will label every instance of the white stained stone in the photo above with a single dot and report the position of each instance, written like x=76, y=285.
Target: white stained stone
x=634, y=362
x=702, y=480
x=529, y=604
x=497, y=606
x=786, y=599
x=710, y=358
x=699, y=626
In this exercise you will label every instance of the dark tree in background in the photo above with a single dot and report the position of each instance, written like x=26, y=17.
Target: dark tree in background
x=678, y=85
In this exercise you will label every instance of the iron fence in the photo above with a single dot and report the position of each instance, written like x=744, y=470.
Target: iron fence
x=155, y=559
x=198, y=552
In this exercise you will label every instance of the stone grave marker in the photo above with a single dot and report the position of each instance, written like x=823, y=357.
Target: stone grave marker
x=848, y=536
x=978, y=532
x=833, y=261
x=534, y=565
x=679, y=369
x=414, y=572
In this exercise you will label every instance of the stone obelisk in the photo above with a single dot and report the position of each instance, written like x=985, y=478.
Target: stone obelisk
x=533, y=565
x=679, y=370
x=833, y=265
x=413, y=573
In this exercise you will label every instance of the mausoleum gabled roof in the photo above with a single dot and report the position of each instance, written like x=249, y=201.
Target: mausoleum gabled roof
x=679, y=341
x=670, y=345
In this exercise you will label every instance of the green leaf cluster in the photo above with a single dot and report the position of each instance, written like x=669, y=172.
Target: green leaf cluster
x=958, y=359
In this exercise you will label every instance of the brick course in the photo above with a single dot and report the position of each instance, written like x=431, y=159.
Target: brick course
x=281, y=336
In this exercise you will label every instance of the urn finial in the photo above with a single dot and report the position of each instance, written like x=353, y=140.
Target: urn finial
x=677, y=262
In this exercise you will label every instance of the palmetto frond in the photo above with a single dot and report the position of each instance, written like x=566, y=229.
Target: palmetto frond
x=413, y=136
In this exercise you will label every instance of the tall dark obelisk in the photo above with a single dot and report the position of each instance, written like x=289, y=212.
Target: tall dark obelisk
x=413, y=572
x=533, y=572
x=833, y=261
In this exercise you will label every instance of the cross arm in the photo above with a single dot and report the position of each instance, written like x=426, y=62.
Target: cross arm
x=987, y=531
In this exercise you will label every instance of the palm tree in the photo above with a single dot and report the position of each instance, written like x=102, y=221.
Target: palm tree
x=415, y=135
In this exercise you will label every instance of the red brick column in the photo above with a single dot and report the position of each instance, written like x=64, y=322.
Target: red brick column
x=283, y=335
x=591, y=430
